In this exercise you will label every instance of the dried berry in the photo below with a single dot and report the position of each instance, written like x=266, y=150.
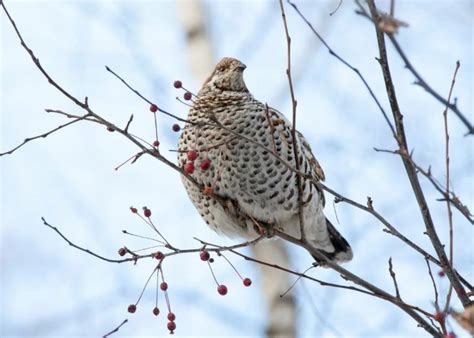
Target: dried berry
x=171, y=326
x=153, y=108
x=204, y=254
x=159, y=255
x=222, y=289
x=146, y=212
x=187, y=96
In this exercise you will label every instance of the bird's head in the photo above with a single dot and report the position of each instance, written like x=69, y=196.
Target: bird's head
x=227, y=76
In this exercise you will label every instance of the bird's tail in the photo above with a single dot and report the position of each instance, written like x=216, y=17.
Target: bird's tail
x=342, y=250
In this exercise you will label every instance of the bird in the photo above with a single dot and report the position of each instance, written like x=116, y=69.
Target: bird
x=239, y=155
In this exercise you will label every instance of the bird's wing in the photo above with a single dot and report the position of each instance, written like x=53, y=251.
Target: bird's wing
x=314, y=166
x=316, y=169
x=280, y=122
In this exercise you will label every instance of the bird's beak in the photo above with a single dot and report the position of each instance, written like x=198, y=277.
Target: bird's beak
x=241, y=67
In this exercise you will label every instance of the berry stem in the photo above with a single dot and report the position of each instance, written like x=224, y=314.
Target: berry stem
x=156, y=126
x=187, y=90
x=144, y=237
x=296, y=281
x=185, y=103
x=166, y=291
x=147, y=248
x=232, y=265
x=153, y=227
x=157, y=286
x=146, y=284
x=212, y=272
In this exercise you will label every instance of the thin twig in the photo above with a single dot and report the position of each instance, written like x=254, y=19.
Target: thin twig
x=448, y=204
x=109, y=260
x=436, y=302
x=143, y=97
x=44, y=135
x=394, y=278
x=115, y=330
x=294, y=103
x=128, y=123
x=451, y=196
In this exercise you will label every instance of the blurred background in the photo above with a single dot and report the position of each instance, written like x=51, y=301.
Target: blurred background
x=50, y=289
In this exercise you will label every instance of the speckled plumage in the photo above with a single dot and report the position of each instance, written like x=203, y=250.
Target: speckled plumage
x=255, y=184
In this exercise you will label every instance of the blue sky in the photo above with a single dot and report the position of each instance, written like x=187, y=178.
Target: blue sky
x=50, y=289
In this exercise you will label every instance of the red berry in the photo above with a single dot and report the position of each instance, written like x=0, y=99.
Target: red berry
x=441, y=273
x=156, y=311
x=192, y=155
x=159, y=255
x=176, y=127
x=439, y=316
x=134, y=210
x=188, y=96
x=153, y=108
x=222, y=289
x=205, y=164
x=122, y=251
x=204, y=254
x=146, y=212
x=171, y=317
x=189, y=168
x=156, y=144
x=171, y=326
x=177, y=84
x=164, y=286
x=132, y=308
x=450, y=335
x=111, y=129
x=247, y=281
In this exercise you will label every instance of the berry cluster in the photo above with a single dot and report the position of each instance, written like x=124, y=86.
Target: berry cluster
x=189, y=167
x=132, y=308
x=187, y=94
x=221, y=288
x=158, y=255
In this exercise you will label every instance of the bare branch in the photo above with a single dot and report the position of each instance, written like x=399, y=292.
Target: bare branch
x=410, y=169
x=419, y=80
x=451, y=196
x=347, y=64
